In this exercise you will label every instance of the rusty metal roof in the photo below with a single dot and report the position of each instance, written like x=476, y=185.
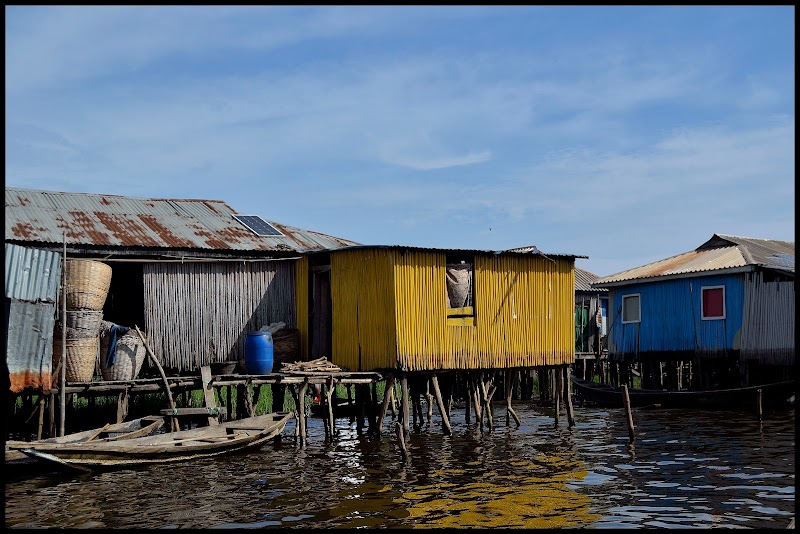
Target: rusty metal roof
x=584, y=279
x=522, y=250
x=118, y=221
x=721, y=252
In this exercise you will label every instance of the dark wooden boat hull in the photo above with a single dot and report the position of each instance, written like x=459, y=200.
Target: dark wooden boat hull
x=135, y=428
x=775, y=395
x=203, y=442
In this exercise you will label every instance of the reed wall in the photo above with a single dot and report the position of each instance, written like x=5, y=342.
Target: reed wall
x=200, y=313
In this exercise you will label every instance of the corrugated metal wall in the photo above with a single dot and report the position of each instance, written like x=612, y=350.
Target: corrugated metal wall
x=362, y=298
x=200, y=313
x=391, y=306
x=32, y=287
x=671, y=320
x=768, y=330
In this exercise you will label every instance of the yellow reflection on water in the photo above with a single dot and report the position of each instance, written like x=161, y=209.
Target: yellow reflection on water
x=536, y=497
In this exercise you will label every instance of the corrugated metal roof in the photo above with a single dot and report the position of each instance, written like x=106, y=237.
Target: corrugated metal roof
x=32, y=275
x=118, y=221
x=521, y=250
x=719, y=252
x=584, y=279
x=769, y=253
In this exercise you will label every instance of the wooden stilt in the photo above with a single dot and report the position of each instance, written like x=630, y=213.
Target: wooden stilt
x=293, y=393
x=41, y=418
x=122, y=405
x=208, y=393
x=359, y=399
x=301, y=415
x=399, y=431
x=404, y=402
x=511, y=376
x=467, y=399
x=475, y=380
x=626, y=402
x=486, y=400
x=388, y=392
x=556, y=395
x=568, y=398
x=440, y=403
x=51, y=415
x=393, y=400
x=759, y=404
x=350, y=403
x=329, y=401
x=429, y=400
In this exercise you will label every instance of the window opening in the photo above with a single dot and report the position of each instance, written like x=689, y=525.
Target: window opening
x=459, y=275
x=631, y=309
x=713, y=302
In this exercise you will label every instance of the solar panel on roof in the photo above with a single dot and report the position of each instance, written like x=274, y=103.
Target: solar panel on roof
x=257, y=225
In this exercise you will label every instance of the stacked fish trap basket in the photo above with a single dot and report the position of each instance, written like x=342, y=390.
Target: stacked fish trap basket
x=129, y=356
x=87, y=284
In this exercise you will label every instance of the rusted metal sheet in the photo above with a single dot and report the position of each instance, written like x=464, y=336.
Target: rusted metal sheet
x=583, y=282
x=719, y=252
x=686, y=263
x=118, y=221
x=770, y=253
x=32, y=274
x=29, y=349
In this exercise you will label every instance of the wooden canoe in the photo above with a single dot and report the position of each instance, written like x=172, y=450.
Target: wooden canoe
x=773, y=395
x=135, y=428
x=201, y=442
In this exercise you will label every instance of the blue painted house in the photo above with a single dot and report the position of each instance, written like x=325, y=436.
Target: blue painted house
x=721, y=315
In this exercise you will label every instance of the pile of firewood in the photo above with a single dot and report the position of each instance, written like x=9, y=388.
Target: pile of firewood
x=320, y=364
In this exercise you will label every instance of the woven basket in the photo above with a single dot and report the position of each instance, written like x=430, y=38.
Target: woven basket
x=81, y=324
x=87, y=284
x=129, y=359
x=81, y=358
x=286, y=345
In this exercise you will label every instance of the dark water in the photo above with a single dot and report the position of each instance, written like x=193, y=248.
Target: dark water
x=686, y=469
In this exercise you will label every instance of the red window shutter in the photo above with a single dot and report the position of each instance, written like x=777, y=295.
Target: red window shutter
x=713, y=302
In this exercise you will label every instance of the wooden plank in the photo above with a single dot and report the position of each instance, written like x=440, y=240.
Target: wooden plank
x=222, y=410
x=208, y=393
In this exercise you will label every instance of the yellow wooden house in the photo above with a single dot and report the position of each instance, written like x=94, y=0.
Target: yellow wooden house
x=371, y=308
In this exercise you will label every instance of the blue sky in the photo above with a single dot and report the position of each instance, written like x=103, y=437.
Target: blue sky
x=625, y=134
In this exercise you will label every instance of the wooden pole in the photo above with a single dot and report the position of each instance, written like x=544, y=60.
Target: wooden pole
x=163, y=375
x=63, y=360
x=122, y=405
x=208, y=393
x=404, y=402
x=329, y=400
x=41, y=417
x=440, y=403
x=626, y=401
x=556, y=394
x=301, y=411
x=388, y=392
x=568, y=398
x=511, y=376
x=758, y=399
x=399, y=431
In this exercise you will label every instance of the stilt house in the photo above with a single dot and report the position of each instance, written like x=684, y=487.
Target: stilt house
x=415, y=309
x=194, y=275
x=726, y=308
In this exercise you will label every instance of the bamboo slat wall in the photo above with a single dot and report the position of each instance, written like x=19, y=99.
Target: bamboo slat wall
x=768, y=328
x=362, y=298
x=200, y=313
x=391, y=308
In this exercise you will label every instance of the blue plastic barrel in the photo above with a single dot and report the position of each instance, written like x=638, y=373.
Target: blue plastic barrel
x=258, y=353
